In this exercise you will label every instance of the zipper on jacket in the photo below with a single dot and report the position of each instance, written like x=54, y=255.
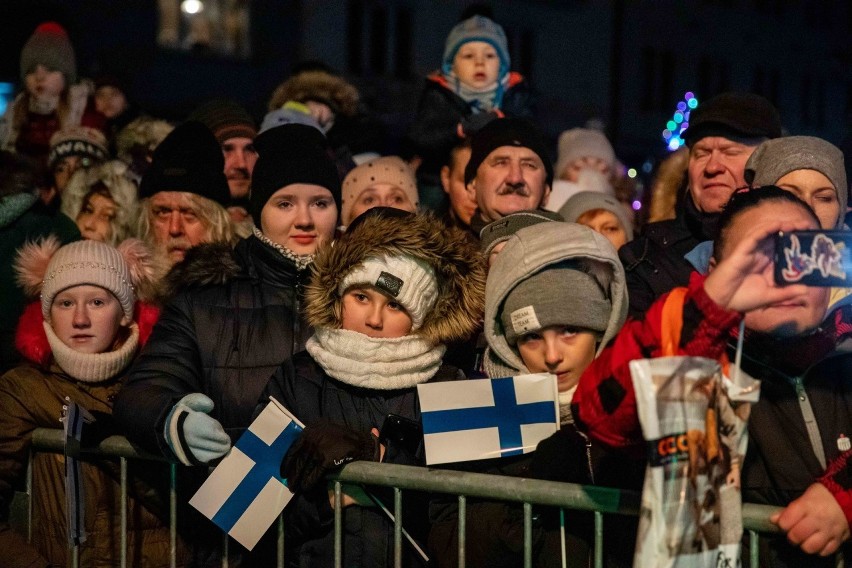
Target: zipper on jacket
x=810, y=420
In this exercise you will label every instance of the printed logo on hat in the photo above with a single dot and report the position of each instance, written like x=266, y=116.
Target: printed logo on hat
x=389, y=283
x=524, y=320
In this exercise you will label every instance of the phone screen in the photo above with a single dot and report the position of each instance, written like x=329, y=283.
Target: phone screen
x=814, y=258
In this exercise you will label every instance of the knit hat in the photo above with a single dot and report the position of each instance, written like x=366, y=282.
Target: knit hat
x=743, y=115
x=502, y=230
x=226, y=119
x=561, y=294
x=584, y=201
x=291, y=113
x=189, y=159
x=49, y=46
x=408, y=280
x=387, y=169
x=507, y=132
x=776, y=158
x=288, y=154
x=82, y=141
x=477, y=28
x=88, y=262
x=581, y=143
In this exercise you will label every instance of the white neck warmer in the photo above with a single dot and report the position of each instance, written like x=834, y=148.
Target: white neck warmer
x=43, y=105
x=375, y=363
x=93, y=367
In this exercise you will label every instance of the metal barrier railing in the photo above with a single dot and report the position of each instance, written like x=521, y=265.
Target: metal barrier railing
x=529, y=492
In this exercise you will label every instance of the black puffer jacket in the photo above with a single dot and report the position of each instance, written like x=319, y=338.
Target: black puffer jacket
x=234, y=322
x=303, y=387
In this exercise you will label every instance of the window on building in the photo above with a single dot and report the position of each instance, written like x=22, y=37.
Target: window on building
x=219, y=27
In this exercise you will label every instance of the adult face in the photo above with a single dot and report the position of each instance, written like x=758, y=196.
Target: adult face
x=607, y=224
x=86, y=318
x=462, y=199
x=816, y=190
x=511, y=178
x=96, y=217
x=177, y=225
x=110, y=101
x=368, y=311
x=561, y=350
x=44, y=84
x=300, y=217
x=783, y=319
x=382, y=195
x=716, y=167
x=477, y=64
x=240, y=157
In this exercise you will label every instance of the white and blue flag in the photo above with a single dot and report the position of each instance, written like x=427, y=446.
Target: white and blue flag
x=487, y=418
x=245, y=493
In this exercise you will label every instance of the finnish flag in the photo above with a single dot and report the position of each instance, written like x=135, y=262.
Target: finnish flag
x=245, y=493
x=487, y=418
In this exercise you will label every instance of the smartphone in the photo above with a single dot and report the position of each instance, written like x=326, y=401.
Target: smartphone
x=814, y=258
x=400, y=432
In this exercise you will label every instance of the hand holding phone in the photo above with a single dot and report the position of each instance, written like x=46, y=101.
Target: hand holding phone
x=814, y=258
x=400, y=432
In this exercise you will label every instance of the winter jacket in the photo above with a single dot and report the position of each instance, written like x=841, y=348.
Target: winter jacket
x=233, y=320
x=32, y=396
x=439, y=111
x=312, y=392
x=655, y=261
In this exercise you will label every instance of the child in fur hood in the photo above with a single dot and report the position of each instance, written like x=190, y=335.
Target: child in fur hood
x=78, y=340
x=384, y=300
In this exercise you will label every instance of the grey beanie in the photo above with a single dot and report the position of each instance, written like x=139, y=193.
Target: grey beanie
x=561, y=294
x=580, y=143
x=477, y=28
x=501, y=230
x=777, y=157
x=49, y=46
x=584, y=201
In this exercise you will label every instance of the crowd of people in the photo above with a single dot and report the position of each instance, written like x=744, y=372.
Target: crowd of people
x=169, y=278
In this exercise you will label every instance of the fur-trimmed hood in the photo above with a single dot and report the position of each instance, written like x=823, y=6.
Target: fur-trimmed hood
x=531, y=250
x=336, y=92
x=207, y=264
x=458, y=265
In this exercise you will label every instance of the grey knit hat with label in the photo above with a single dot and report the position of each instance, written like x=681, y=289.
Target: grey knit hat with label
x=561, y=294
x=502, y=230
x=776, y=158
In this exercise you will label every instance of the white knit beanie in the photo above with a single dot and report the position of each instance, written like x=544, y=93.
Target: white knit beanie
x=579, y=143
x=407, y=280
x=88, y=262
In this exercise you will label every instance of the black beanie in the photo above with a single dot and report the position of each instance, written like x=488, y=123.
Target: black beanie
x=288, y=154
x=733, y=114
x=189, y=159
x=507, y=132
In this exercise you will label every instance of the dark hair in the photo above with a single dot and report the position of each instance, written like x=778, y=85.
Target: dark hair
x=18, y=174
x=746, y=199
x=460, y=145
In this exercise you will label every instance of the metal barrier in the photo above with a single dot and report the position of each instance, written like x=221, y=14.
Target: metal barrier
x=529, y=492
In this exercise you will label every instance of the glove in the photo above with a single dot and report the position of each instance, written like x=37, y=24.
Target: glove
x=194, y=437
x=324, y=447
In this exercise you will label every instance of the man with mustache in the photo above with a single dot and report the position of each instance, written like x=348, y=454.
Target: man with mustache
x=722, y=134
x=183, y=194
x=509, y=170
x=235, y=131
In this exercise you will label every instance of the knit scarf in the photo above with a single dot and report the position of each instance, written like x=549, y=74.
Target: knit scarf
x=375, y=363
x=93, y=367
x=13, y=206
x=479, y=100
x=301, y=261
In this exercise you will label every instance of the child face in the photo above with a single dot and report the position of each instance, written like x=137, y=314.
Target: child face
x=300, y=217
x=86, y=318
x=382, y=195
x=476, y=64
x=558, y=349
x=572, y=170
x=96, y=217
x=44, y=84
x=110, y=101
x=368, y=311
x=607, y=224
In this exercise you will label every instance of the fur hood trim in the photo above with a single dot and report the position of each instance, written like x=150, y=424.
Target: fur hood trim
x=336, y=92
x=458, y=265
x=208, y=264
x=31, y=339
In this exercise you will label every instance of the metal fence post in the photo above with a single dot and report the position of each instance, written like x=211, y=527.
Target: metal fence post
x=462, y=529
x=123, y=508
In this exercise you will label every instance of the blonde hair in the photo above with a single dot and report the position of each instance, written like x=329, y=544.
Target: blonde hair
x=213, y=216
x=667, y=184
